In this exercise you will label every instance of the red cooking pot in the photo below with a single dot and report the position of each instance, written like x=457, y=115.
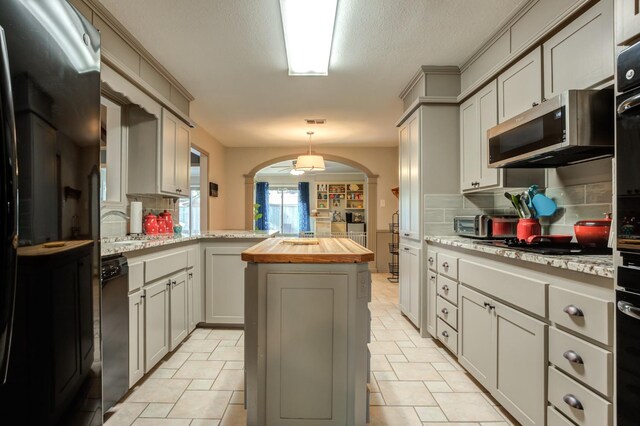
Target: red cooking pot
x=593, y=233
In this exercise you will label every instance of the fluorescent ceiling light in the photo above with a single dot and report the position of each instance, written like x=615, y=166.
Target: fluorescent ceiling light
x=308, y=34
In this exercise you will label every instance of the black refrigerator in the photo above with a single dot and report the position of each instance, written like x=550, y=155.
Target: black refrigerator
x=50, y=346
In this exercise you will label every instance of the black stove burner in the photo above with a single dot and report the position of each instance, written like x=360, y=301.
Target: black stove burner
x=547, y=248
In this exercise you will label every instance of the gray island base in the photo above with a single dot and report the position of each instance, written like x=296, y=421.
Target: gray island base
x=307, y=327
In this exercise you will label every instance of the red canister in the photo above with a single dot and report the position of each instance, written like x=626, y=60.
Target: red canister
x=168, y=221
x=150, y=224
x=527, y=227
x=162, y=224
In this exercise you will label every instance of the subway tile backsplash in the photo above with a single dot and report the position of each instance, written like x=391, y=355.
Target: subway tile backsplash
x=115, y=226
x=575, y=203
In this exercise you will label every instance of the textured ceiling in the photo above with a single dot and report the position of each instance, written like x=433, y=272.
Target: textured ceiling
x=230, y=55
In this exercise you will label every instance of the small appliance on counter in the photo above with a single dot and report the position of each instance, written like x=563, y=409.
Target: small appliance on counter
x=485, y=226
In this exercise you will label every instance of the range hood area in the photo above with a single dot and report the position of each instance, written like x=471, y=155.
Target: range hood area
x=574, y=127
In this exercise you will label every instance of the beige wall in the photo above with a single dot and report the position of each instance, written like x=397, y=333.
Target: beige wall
x=240, y=161
x=217, y=173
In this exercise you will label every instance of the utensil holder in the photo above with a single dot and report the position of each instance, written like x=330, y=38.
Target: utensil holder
x=527, y=227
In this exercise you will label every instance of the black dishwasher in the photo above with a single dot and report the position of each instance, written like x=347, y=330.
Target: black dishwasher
x=115, y=330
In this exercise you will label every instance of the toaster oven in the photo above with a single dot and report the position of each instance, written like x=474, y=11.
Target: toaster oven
x=485, y=226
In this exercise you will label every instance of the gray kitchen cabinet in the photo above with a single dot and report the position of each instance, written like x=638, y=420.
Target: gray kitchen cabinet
x=178, y=315
x=159, y=158
x=136, y=337
x=627, y=22
x=156, y=322
x=224, y=287
x=409, y=283
x=581, y=55
x=430, y=303
x=410, y=177
x=192, y=301
x=520, y=86
x=496, y=342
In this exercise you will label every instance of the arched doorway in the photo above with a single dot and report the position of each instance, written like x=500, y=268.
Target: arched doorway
x=371, y=182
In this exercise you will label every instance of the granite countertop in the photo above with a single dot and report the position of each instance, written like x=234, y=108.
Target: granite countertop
x=600, y=265
x=117, y=245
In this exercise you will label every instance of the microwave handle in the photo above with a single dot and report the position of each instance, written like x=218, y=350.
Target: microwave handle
x=628, y=104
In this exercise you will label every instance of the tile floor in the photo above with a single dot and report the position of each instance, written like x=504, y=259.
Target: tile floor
x=414, y=381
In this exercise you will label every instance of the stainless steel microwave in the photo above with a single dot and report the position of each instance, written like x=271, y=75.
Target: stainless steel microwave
x=573, y=127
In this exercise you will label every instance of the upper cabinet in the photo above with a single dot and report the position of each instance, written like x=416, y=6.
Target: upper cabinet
x=158, y=154
x=580, y=55
x=520, y=86
x=627, y=21
x=410, y=177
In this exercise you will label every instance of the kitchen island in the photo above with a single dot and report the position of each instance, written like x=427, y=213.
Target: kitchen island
x=306, y=332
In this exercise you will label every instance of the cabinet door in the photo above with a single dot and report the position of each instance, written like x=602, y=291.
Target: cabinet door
x=168, y=161
x=520, y=86
x=487, y=101
x=469, y=145
x=521, y=359
x=191, y=322
x=405, y=198
x=183, y=158
x=178, y=310
x=156, y=322
x=432, y=295
x=224, y=285
x=136, y=338
x=627, y=21
x=414, y=173
x=475, y=336
x=306, y=325
x=414, y=296
x=581, y=54
x=404, y=279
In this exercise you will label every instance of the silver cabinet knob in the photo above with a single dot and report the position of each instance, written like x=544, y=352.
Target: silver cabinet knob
x=535, y=104
x=572, y=401
x=445, y=265
x=445, y=311
x=445, y=334
x=573, y=357
x=573, y=310
x=445, y=288
x=430, y=260
x=190, y=274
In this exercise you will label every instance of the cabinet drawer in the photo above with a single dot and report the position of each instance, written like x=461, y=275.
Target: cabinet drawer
x=448, y=336
x=554, y=418
x=592, y=410
x=583, y=314
x=448, y=289
x=164, y=265
x=593, y=366
x=447, y=311
x=432, y=259
x=448, y=265
x=136, y=276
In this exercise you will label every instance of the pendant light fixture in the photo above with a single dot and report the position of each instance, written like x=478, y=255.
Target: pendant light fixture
x=310, y=162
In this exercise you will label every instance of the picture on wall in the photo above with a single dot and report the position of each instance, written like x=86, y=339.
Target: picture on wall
x=213, y=189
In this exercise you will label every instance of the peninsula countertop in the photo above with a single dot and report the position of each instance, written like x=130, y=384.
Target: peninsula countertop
x=325, y=250
x=117, y=245
x=600, y=265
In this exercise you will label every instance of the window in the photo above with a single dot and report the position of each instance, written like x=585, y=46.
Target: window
x=283, y=210
x=191, y=210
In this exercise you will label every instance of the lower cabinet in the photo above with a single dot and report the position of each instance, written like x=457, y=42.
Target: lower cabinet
x=178, y=318
x=156, y=322
x=504, y=349
x=430, y=302
x=136, y=337
x=409, y=287
x=224, y=286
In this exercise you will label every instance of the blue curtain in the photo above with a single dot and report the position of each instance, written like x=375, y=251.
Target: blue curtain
x=303, y=206
x=262, y=198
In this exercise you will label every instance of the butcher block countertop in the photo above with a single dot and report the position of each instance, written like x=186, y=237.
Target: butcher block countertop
x=327, y=250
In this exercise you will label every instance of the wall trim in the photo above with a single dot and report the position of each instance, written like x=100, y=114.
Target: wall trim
x=104, y=14
x=426, y=100
x=428, y=69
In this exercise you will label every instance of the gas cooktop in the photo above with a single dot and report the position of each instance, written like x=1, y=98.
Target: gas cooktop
x=547, y=248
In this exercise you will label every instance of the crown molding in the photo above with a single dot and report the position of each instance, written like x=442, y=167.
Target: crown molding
x=426, y=100
x=428, y=69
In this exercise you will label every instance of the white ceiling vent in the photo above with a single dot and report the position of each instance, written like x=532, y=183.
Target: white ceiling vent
x=315, y=120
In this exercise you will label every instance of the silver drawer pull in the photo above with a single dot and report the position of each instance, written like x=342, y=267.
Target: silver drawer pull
x=445, y=288
x=628, y=309
x=445, y=334
x=573, y=357
x=445, y=265
x=431, y=261
x=573, y=310
x=445, y=311
x=572, y=401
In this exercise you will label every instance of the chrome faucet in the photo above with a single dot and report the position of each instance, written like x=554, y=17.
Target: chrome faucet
x=114, y=213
